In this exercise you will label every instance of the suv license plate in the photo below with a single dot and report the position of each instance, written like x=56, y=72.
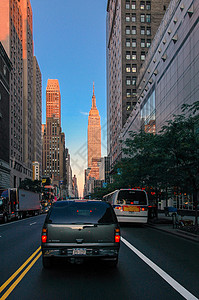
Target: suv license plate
x=79, y=251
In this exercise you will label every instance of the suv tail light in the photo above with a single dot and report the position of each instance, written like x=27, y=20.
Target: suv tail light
x=117, y=235
x=143, y=209
x=44, y=235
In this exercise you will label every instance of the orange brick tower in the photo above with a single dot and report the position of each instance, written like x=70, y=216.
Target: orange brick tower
x=53, y=100
x=94, y=138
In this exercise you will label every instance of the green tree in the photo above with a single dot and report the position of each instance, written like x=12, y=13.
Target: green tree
x=182, y=143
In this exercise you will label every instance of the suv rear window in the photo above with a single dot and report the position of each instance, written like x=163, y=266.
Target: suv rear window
x=132, y=197
x=72, y=212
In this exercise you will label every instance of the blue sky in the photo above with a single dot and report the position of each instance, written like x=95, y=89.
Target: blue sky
x=70, y=45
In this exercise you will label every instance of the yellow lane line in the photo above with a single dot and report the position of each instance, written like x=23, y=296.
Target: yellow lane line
x=19, y=270
x=20, y=277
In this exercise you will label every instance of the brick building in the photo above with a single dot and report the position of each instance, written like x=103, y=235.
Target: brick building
x=16, y=35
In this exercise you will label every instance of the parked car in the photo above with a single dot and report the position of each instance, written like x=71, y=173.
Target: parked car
x=79, y=230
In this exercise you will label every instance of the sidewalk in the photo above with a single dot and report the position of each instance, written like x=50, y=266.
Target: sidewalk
x=165, y=223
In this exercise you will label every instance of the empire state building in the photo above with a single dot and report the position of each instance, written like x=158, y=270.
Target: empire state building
x=94, y=139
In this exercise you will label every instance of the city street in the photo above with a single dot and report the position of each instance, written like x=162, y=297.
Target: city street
x=152, y=265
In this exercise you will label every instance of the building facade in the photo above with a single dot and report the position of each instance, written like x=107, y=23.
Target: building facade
x=75, y=187
x=170, y=75
x=37, y=115
x=104, y=169
x=69, y=179
x=5, y=69
x=53, y=162
x=53, y=100
x=131, y=26
x=16, y=35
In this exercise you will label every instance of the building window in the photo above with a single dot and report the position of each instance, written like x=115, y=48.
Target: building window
x=127, y=17
x=128, y=55
x=133, y=17
x=128, y=44
x=134, y=56
x=128, y=80
x=142, y=44
x=134, y=94
x=128, y=93
x=148, y=18
x=128, y=30
x=148, y=43
x=128, y=106
x=133, y=5
x=142, y=56
x=148, y=30
x=134, y=81
x=142, y=18
x=4, y=70
x=127, y=4
x=133, y=43
x=128, y=68
x=142, y=30
x=148, y=5
x=134, y=30
x=142, y=5
x=134, y=68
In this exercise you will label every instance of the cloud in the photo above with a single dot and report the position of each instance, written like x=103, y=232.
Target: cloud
x=84, y=113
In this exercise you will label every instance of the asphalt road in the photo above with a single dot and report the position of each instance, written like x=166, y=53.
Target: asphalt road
x=152, y=265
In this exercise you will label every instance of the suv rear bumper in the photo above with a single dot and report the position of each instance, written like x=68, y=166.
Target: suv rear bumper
x=68, y=252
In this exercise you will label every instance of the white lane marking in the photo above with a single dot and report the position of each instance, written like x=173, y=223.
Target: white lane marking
x=32, y=223
x=13, y=222
x=178, y=287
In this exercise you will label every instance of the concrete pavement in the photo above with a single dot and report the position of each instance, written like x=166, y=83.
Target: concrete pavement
x=165, y=223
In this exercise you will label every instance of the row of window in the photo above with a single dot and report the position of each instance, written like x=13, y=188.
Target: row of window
x=142, y=5
x=143, y=43
x=131, y=68
x=144, y=18
x=133, y=30
x=130, y=93
x=133, y=55
x=131, y=80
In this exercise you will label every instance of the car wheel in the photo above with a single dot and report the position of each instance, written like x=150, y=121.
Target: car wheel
x=5, y=219
x=47, y=263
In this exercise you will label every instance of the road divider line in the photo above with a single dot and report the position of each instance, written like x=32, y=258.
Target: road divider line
x=7, y=293
x=178, y=287
x=19, y=270
x=33, y=223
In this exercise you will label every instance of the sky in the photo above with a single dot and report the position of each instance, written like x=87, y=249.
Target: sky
x=70, y=45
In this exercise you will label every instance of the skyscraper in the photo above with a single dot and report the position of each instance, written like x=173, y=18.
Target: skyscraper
x=53, y=139
x=94, y=134
x=16, y=35
x=4, y=118
x=53, y=162
x=131, y=26
x=53, y=100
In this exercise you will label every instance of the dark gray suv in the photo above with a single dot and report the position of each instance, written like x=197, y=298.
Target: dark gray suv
x=78, y=230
